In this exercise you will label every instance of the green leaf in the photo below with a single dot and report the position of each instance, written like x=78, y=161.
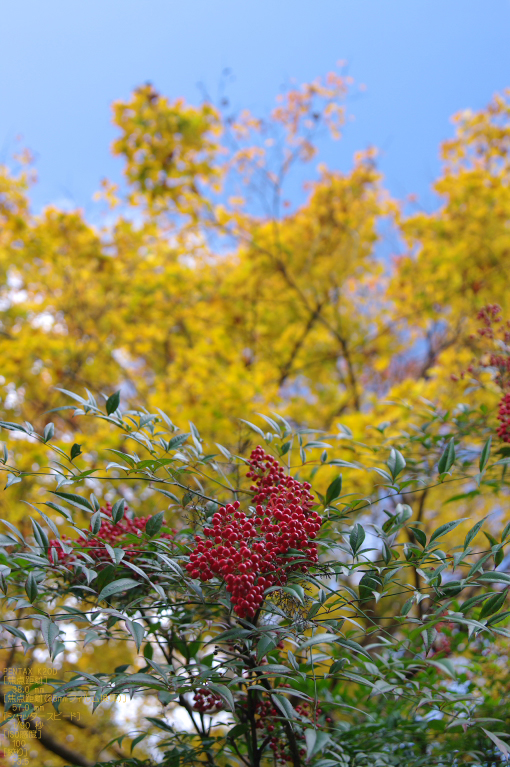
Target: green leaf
x=296, y=591
x=194, y=432
x=237, y=731
x=31, y=589
x=318, y=639
x=407, y=606
x=497, y=742
x=75, y=451
x=231, y=634
x=498, y=618
x=72, y=395
x=177, y=441
x=492, y=605
x=54, y=529
x=49, y=431
x=315, y=444
x=15, y=632
x=40, y=536
x=352, y=645
x=224, y=693
x=116, y=587
x=11, y=426
x=148, y=651
x=345, y=464
x=369, y=585
x=274, y=669
x=252, y=426
x=95, y=523
x=154, y=524
x=338, y=665
x=157, y=667
x=75, y=500
x=285, y=706
x=316, y=740
x=419, y=535
x=469, y=603
x=137, y=631
x=125, y=456
x=264, y=645
x=444, y=665
x=382, y=473
x=112, y=403
x=12, y=479
x=50, y=632
x=334, y=490
x=168, y=494
x=493, y=578
x=444, y=529
x=396, y=463
x=271, y=423
x=447, y=459
x=160, y=723
x=90, y=636
x=485, y=454
x=138, y=740
x=356, y=537
x=118, y=510
x=473, y=532
x=166, y=419
x=292, y=660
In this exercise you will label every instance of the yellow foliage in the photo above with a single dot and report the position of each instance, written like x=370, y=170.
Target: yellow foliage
x=213, y=305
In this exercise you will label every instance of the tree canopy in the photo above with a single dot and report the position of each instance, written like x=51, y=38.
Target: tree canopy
x=200, y=296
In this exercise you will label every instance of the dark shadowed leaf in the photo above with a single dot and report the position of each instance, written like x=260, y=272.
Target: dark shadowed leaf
x=116, y=587
x=447, y=459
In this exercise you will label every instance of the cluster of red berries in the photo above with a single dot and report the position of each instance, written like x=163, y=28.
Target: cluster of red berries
x=207, y=702
x=495, y=330
x=504, y=418
x=442, y=642
x=250, y=551
x=490, y=316
x=270, y=724
x=113, y=533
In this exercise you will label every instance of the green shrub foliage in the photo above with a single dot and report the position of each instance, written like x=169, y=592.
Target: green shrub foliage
x=295, y=618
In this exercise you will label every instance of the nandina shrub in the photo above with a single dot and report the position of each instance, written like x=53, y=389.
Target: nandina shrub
x=291, y=620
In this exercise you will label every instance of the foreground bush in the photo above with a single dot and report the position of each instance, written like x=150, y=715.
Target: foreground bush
x=290, y=625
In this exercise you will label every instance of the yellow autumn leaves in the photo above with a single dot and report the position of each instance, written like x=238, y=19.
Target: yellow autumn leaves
x=205, y=295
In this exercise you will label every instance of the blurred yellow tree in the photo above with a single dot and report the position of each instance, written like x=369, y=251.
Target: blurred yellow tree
x=206, y=294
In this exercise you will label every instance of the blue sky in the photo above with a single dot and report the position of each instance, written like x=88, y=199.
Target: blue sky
x=62, y=63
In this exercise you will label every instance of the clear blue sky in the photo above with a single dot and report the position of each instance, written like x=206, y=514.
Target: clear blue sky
x=63, y=62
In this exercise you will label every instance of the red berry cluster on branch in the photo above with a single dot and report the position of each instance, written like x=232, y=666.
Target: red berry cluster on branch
x=442, y=642
x=251, y=551
x=207, y=702
x=500, y=360
x=112, y=533
x=504, y=418
x=498, y=332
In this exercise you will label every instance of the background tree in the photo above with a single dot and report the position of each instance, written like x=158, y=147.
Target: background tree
x=204, y=293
